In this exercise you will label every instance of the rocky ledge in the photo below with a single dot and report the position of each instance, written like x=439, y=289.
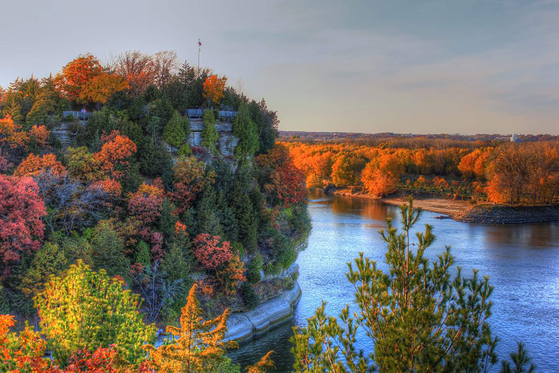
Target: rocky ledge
x=489, y=214
x=245, y=325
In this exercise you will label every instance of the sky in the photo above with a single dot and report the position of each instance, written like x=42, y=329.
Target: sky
x=414, y=66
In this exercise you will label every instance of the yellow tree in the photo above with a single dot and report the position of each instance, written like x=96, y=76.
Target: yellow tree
x=199, y=347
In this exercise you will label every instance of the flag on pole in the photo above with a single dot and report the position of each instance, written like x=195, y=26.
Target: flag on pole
x=199, y=45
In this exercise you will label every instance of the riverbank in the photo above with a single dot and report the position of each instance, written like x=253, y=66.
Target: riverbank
x=463, y=211
x=245, y=325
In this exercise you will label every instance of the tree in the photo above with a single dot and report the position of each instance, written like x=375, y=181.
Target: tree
x=419, y=318
x=190, y=178
x=85, y=309
x=199, y=346
x=138, y=70
x=101, y=87
x=210, y=136
x=21, y=228
x=115, y=154
x=346, y=170
x=283, y=182
x=34, y=165
x=176, y=131
x=76, y=74
x=381, y=176
x=22, y=353
x=213, y=89
x=49, y=261
x=107, y=250
x=146, y=204
x=245, y=129
x=210, y=253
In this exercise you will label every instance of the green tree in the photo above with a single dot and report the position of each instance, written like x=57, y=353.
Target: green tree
x=418, y=317
x=174, y=132
x=210, y=136
x=247, y=132
x=107, y=251
x=88, y=309
x=48, y=261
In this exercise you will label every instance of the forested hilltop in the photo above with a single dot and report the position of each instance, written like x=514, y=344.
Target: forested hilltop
x=101, y=165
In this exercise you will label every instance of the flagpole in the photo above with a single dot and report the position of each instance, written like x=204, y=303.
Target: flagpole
x=199, y=47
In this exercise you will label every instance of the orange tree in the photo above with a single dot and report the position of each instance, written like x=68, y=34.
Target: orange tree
x=100, y=88
x=76, y=74
x=213, y=89
x=33, y=165
x=84, y=309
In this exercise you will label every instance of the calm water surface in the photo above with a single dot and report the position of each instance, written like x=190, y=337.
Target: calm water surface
x=521, y=261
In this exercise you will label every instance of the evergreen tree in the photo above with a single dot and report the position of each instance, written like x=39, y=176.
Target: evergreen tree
x=107, y=248
x=208, y=220
x=143, y=254
x=245, y=129
x=174, y=134
x=210, y=136
x=167, y=220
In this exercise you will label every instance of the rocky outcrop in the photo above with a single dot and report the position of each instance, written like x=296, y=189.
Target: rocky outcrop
x=245, y=325
x=227, y=142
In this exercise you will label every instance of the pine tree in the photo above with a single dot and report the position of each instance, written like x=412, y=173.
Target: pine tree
x=210, y=136
x=247, y=132
x=107, y=248
x=173, y=133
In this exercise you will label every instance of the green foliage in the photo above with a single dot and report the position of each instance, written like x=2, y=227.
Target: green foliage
x=88, y=309
x=419, y=318
x=174, y=133
x=178, y=268
x=107, y=252
x=245, y=129
x=154, y=159
x=48, y=261
x=167, y=220
x=254, y=268
x=210, y=136
x=143, y=254
x=520, y=361
x=250, y=298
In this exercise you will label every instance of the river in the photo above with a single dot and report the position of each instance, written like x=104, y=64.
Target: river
x=522, y=262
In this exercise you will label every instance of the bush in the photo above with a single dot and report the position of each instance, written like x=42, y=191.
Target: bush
x=250, y=298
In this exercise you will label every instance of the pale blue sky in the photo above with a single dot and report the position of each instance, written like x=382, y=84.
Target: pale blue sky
x=454, y=66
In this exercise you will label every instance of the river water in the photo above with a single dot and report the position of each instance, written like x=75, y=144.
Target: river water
x=522, y=262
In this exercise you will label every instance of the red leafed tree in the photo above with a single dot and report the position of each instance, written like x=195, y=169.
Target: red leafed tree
x=76, y=74
x=381, y=175
x=145, y=205
x=115, y=154
x=190, y=179
x=210, y=253
x=213, y=89
x=286, y=183
x=33, y=165
x=21, y=210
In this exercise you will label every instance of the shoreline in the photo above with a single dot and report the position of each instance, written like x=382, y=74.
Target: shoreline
x=465, y=212
x=243, y=326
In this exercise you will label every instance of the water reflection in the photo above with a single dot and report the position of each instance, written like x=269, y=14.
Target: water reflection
x=522, y=262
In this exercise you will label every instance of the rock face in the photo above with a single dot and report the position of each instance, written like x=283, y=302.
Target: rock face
x=227, y=142
x=243, y=326
x=63, y=132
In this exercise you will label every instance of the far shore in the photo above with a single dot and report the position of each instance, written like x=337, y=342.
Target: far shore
x=464, y=211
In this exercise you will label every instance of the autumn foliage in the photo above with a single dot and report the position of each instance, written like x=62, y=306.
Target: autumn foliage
x=213, y=89
x=34, y=165
x=21, y=228
x=115, y=153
